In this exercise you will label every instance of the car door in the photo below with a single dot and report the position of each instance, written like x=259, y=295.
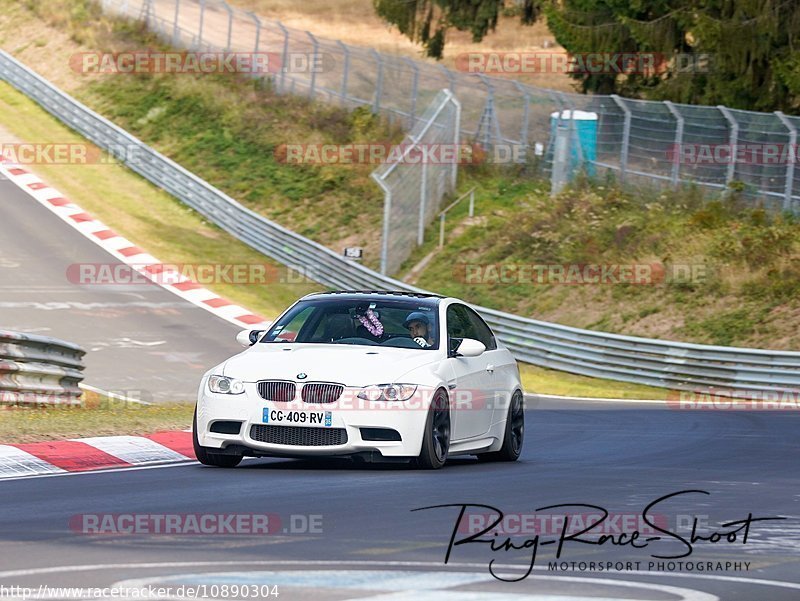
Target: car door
x=471, y=413
x=500, y=367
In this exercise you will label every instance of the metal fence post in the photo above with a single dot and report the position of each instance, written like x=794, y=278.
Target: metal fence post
x=558, y=177
x=488, y=117
x=456, y=138
x=230, y=24
x=451, y=79
x=733, y=140
x=175, y=35
x=626, y=136
x=376, y=105
x=413, y=109
x=523, y=130
x=676, y=163
x=423, y=201
x=147, y=9
x=472, y=202
x=787, y=195
x=441, y=230
x=284, y=55
x=315, y=52
x=346, y=69
x=387, y=215
x=561, y=170
x=200, y=32
x=257, y=21
x=574, y=139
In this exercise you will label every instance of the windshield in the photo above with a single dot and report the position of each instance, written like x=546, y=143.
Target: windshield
x=396, y=323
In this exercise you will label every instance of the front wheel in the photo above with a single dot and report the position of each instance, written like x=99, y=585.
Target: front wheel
x=514, y=434
x=436, y=439
x=206, y=456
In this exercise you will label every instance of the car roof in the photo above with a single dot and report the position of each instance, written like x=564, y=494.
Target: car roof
x=383, y=295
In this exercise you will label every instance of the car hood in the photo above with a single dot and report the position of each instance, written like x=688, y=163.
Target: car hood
x=346, y=364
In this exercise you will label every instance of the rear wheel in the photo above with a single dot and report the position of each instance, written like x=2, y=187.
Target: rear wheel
x=436, y=439
x=206, y=456
x=514, y=433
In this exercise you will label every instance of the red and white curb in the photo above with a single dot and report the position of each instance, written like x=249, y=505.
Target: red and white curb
x=92, y=454
x=125, y=251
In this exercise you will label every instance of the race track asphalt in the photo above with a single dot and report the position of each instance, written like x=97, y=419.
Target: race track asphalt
x=618, y=457
x=141, y=340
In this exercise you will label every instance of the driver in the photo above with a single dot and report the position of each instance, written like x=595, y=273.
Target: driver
x=418, y=326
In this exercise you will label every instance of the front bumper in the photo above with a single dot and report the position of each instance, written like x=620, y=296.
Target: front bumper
x=349, y=413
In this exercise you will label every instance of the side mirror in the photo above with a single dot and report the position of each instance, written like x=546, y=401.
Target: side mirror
x=470, y=347
x=249, y=337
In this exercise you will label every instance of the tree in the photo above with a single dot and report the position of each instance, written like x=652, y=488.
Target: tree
x=741, y=53
x=427, y=21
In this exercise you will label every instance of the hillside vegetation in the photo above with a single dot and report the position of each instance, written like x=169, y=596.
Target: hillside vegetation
x=746, y=279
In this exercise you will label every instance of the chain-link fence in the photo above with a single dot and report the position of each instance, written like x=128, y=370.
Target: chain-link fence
x=661, y=142
x=415, y=182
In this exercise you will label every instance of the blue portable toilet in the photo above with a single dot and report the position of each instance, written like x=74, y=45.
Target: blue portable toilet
x=584, y=153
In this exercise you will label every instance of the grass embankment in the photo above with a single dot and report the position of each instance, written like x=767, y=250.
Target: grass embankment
x=731, y=271
x=97, y=416
x=141, y=212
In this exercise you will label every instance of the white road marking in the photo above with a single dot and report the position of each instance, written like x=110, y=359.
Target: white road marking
x=133, y=449
x=16, y=462
x=183, y=462
x=406, y=585
x=65, y=305
x=530, y=396
x=271, y=563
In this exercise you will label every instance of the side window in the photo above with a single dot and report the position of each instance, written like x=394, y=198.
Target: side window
x=459, y=325
x=482, y=331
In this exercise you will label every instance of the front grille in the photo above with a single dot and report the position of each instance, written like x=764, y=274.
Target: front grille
x=276, y=390
x=320, y=392
x=299, y=436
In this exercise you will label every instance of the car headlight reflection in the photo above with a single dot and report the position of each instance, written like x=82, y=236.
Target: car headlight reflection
x=388, y=392
x=225, y=385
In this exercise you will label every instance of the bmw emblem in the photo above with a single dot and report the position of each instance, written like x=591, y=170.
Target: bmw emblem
x=302, y=376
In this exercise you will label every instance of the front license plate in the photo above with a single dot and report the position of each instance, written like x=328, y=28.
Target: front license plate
x=298, y=418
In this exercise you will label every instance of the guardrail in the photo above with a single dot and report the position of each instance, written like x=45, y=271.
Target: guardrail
x=39, y=370
x=631, y=359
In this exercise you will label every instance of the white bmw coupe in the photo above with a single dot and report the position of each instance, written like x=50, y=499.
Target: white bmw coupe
x=377, y=376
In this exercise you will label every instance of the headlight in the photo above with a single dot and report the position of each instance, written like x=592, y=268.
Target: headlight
x=223, y=385
x=388, y=392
